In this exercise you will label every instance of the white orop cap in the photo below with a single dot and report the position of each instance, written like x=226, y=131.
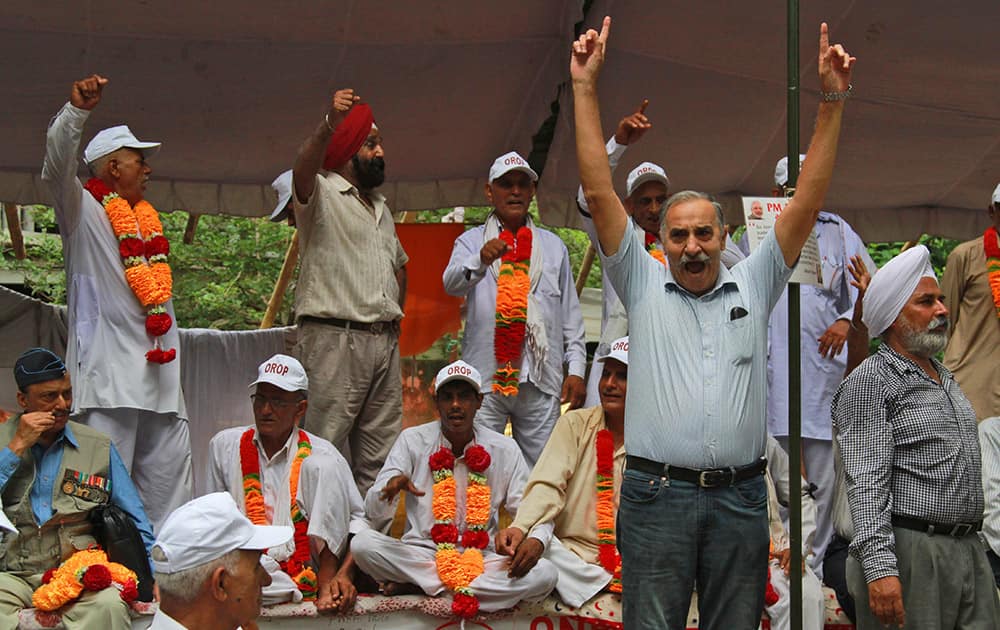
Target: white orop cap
x=619, y=351
x=208, y=528
x=645, y=172
x=282, y=185
x=511, y=162
x=113, y=138
x=781, y=169
x=996, y=194
x=458, y=371
x=284, y=372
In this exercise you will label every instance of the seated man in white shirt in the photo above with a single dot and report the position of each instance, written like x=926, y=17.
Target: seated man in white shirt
x=568, y=490
x=457, y=475
x=256, y=465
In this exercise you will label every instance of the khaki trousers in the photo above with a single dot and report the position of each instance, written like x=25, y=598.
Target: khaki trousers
x=947, y=584
x=355, y=393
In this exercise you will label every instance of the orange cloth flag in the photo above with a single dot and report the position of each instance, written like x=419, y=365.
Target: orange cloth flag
x=429, y=312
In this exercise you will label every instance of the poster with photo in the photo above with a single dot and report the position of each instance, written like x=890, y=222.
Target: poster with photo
x=760, y=214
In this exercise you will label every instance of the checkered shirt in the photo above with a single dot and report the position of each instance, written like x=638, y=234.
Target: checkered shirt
x=910, y=447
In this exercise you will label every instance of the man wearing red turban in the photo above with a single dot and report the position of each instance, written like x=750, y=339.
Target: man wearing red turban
x=351, y=287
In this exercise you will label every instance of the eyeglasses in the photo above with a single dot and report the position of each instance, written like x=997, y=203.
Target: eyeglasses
x=278, y=405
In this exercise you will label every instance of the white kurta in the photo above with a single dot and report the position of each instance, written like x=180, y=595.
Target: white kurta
x=411, y=559
x=326, y=493
x=820, y=307
x=107, y=345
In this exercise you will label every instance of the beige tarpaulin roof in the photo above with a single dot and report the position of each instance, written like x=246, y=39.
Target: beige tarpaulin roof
x=231, y=88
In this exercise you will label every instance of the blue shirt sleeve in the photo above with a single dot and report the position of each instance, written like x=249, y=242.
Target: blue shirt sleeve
x=125, y=496
x=8, y=465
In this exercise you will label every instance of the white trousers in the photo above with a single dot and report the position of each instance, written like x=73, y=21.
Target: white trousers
x=532, y=415
x=578, y=580
x=813, y=604
x=155, y=449
x=593, y=384
x=387, y=559
x=818, y=457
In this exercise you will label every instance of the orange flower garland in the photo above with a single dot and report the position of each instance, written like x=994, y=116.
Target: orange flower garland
x=143, y=249
x=607, y=550
x=84, y=570
x=296, y=566
x=458, y=570
x=992, y=250
x=513, y=284
x=652, y=246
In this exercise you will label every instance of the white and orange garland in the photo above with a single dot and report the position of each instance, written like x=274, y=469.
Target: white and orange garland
x=458, y=570
x=297, y=566
x=991, y=248
x=143, y=249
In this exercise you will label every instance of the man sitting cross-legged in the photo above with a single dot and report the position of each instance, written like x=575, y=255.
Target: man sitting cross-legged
x=457, y=476
x=574, y=486
x=257, y=466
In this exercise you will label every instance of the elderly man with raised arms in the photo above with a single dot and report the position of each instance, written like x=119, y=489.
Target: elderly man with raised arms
x=702, y=329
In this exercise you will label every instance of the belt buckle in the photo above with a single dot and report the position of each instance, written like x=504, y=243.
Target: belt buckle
x=377, y=328
x=710, y=478
x=961, y=530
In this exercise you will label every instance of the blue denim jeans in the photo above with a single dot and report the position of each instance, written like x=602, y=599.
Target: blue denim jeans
x=674, y=535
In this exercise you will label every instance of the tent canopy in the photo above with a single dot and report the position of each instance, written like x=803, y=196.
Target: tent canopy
x=233, y=88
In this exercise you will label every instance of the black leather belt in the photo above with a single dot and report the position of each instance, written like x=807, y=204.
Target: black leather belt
x=958, y=530
x=375, y=328
x=704, y=478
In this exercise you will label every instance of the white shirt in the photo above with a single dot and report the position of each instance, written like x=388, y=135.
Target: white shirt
x=555, y=295
x=820, y=307
x=409, y=456
x=327, y=494
x=989, y=443
x=107, y=344
x=163, y=621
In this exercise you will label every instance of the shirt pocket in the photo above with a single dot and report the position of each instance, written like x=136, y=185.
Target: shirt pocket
x=737, y=340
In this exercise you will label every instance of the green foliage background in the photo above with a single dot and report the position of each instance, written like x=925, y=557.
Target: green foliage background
x=225, y=277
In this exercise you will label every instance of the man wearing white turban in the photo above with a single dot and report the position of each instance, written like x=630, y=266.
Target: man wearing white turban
x=908, y=438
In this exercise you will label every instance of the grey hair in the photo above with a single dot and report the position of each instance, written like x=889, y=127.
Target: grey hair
x=186, y=585
x=691, y=195
x=98, y=166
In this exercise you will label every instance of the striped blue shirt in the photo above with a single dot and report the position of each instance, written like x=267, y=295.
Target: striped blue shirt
x=697, y=365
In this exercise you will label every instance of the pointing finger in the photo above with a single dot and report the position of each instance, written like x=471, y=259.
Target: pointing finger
x=605, y=30
x=643, y=106
x=824, y=38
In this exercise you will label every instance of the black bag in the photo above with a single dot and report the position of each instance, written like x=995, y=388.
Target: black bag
x=121, y=540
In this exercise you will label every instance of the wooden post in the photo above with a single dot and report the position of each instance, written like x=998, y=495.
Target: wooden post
x=291, y=257
x=14, y=225
x=192, y=224
x=588, y=262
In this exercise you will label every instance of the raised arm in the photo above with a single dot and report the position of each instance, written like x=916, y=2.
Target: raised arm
x=630, y=129
x=62, y=144
x=313, y=150
x=606, y=209
x=796, y=222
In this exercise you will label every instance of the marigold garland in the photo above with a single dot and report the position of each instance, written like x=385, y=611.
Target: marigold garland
x=513, y=284
x=84, y=570
x=143, y=249
x=458, y=570
x=297, y=565
x=654, y=249
x=992, y=249
x=607, y=550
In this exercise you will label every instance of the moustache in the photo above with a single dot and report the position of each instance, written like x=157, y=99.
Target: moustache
x=940, y=322
x=702, y=258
